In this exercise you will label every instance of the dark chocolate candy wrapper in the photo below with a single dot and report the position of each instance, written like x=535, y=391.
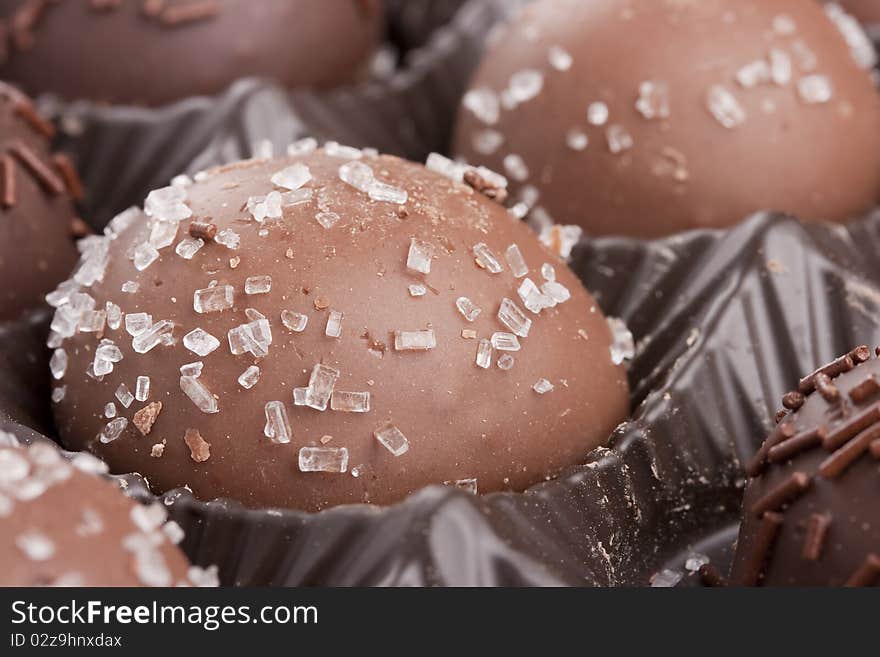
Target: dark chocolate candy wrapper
x=725, y=322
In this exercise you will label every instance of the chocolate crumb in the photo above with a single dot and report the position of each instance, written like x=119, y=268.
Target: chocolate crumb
x=199, y=448
x=146, y=417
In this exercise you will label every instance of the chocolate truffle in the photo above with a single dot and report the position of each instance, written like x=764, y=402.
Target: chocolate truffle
x=332, y=327
x=60, y=525
x=157, y=51
x=37, y=217
x=810, y=515
x=646, y=118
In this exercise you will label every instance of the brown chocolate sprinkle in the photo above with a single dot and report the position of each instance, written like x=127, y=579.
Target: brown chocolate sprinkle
x=199, y=448
x=711, y=576
x=786, y=491
x=486, y=188
x=25, y=20
x=793, y=400
x=25, y=110
x=7, y=179
x=828, y=390
x=867, y=573
x=814, y=541
x=844, y=457
x=203, y=229
x=875, y=449
x=183, y=14
x=796, y=444
x=851, y=427
x=863, y=391
x=768, y=530
x=782, y=432
x=65, y=167
x=153, y=7
x=44, y=175
x=146, y=417
x=835, y=368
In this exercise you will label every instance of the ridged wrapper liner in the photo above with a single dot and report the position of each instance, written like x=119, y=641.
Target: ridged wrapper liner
x=725, y=322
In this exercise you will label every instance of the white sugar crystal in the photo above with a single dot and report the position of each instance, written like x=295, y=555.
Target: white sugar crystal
x=653, y=101
x=468, y=309
x=92, y=321
x=695, y=561
x=167, y=204
x=113, y=314
x=258, y=285
x=784, y=25
x=780, y=67
x=414, y=340
x=181, y=180
x=35, y=545
x=619, y=139
x=466, y=485
x=254, y=337
x=334, y=149
x=122, y=221
x=297, y=197
x=506, y=362
x=162, y=234
x=417, y=290
x=100, y=368
x=515, y=261
x=302, y=147
x=112, y=430
x=228, y=238
x=557, y=292
x=107, y=350
x=483, y=104
x=860, y=45
x=110, y=410
x=753, y=74
x=137, y=323
x=724, y=106
x=484, y=354
x=130, y=287
x=622, y=347
x=188, y=247
x=516, y=167
x=350, y=402
x=446, y=167
x=123, y=395
x=576, y=139
x=159, y=333
x=58, y=394
x=419, y=256
x=200, y=342
x=532, y=297
x=542, y=386
x=253, y=314
x=334, y=324
x=54, y=340
x=548, y=272
x=249, y=378
x=486, y=259
x=597, y=113
x=327, y=219
x=292, y=177
x=384, y=192
x=277, y=427
x=199, y=394
x=300, y=396
x=392, y=439
x=92, y=266
x=293, y=321
x=525, y=85
x=505, y=341
x=323, y=459
x=58, y=364
x=665, y=579
x=487, y=141
x=321, y=383
x=357, y=174
x=61, y=294
x=213, y=299
x=815, y=89
x=142, y=388
x=514, y=318
x=192, y=369
x=559, y=58
x=144, y=256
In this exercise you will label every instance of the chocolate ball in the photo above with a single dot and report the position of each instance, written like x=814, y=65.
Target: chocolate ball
x=334, y=327
x=60, y=525
x=36, y=209
x=153, y=52
x=646, y=118
x=810, y=515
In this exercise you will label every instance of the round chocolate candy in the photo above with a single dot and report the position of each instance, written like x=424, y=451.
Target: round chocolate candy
x=156, y=51
x=646, y=118
x=332, y=327
x=37, y=217
x=60, y=525
x=810, y=515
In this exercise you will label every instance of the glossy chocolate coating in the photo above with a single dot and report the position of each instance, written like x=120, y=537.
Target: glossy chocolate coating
x=36, y=245
x=129, y=53
x=829, y=531
x=684, y=169
x=64, y=527
x=461, y=421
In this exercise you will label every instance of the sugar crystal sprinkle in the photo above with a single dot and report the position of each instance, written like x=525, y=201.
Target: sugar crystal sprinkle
x=622, y=347
x=58, y=364
x=199, y=394
x=506, y=362
x=724, y=106
x=559, y=58
x=277, y=427
x=619, y=139
x=213, y=299
x=505, y=341
x=417, y=290
x=468, y=309
x=327, y=219
x=294, y=321
x=392, y=439
x=421, y=340
x=484, y=354
x=514, y=318
x=144, y=256
x=576, y=139
x=419, y=256
x=815, y=89
x=112, y=430
x=323, y=459
x=200, y=342
x=192, y=369
x=137, y=323
x=228, y=238
x=515, y=261
x=320, y=388
x=597, y=113
x=350, y=402
x=542, y=386
x=466, y=485
x=302, y=147
x=249, y=378
x=142, y=388
x=258, y=285
x=483, y=103
x=653, y=101
x=292, y=177
x=188, y=247
x=123, y=395
x=334, y=324
x=485, y=259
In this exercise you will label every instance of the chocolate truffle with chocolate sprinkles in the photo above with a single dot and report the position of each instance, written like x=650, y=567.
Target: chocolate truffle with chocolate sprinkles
x=37, y=217
x=156, y=51
x=647, y=118
x=357, y=327
x=810, y=514
x=61, y=525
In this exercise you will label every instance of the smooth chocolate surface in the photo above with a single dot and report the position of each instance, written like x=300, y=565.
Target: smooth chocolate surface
x=647, y=118
x=157, y=51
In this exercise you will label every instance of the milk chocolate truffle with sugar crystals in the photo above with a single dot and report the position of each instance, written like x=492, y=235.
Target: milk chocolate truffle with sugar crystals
x=153, y=52
x=37, y=217
x=335, y=327
x=810, y=515
x=647, y=118
x=61, y=525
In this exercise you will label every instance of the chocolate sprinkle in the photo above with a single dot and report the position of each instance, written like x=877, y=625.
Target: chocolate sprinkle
x=863, y=391
x=867, y=573
x=851, y=427
x=781, y=433
x=203, y=229
x=797, y=444
x=787, y=491
x=26, y=111
x=814, y=541
x=768, y=531
x=69, y=175
x=840, y=460
x=7, y=178
x=44, y=175
x=793, y=400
